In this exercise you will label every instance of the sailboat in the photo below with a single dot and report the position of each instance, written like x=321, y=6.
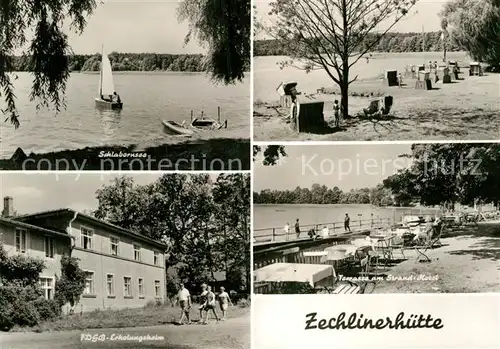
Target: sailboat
x=106, y=86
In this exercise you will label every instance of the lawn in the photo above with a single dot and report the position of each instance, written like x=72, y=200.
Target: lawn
x=131, y=317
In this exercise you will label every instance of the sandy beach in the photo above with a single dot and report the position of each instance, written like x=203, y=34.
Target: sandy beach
x=467, y=263
x=463, y=110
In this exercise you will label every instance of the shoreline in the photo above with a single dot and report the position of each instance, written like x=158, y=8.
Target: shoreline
x=216, y=154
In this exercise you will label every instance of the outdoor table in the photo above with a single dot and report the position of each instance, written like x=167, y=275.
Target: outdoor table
x=350, y=249
x=384, y=244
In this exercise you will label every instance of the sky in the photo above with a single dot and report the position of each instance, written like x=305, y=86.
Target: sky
x=345, y=166
x=133, y=27
x=35, y=192
x=424, y=13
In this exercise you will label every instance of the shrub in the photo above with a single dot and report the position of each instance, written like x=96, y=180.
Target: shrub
x=48, y=309
x=24, y=306
x=70, y=286
x=20, y=269
x=25, y=313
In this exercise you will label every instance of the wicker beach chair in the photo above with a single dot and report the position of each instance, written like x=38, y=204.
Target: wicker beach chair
x=379, y=107
x=373, y=108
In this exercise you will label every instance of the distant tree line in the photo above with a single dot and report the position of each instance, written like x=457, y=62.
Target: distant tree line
x=321, y=194
x=129, y=62
x=391, y=42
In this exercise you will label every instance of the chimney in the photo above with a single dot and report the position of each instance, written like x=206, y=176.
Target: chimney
x=8, y=206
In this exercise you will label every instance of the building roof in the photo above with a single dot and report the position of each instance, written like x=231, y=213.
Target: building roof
x=97, y=221
x=32, y=227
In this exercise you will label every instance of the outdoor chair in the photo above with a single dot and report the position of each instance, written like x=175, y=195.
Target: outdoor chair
x=373, y=108
x=399, y=244
x=388, y=101
x=379, y=107
x=434, y=241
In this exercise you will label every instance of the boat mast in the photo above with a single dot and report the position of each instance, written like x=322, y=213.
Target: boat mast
x=102, y=59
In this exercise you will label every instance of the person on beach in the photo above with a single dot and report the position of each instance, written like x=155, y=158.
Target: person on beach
x=312, y=234
x=210, y=305
x=224, y=302
x=325, y=232
x=336, y=113
x=286, y=230
x=425, y=235
x=297, y=228
x=184, y=299
x=347, y=222
x=400, y=80
x=203, y=300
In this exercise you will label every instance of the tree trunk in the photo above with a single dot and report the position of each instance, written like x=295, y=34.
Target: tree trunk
x=444, y=49
x=344, y=91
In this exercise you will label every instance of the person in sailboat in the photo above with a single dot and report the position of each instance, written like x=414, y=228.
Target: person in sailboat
x=116, y=97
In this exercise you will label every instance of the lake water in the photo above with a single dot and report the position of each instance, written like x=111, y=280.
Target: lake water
x=275, y=216
x=148, y=98
x=268, y=75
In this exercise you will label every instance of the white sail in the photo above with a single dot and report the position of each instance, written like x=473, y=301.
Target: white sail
x=106, y=85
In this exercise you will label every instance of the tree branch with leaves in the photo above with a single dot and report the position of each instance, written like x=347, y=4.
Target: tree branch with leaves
x=223, y=26
x=48, y=51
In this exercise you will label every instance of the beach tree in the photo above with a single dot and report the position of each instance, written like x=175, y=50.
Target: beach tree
x=475, y=25
x=445, y=174
x=333, y=35
x=223, y=26
x=37, y=25
x=444, y=35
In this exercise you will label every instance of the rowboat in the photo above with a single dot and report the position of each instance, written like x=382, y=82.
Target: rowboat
x=174, y=128
x=107, y=86
x=205, y=124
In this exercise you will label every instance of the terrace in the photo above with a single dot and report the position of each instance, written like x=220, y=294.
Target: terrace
x=461, y=257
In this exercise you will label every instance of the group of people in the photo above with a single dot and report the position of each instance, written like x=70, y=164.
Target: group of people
x=114, y=98
x=312, y=232
x=208, y=303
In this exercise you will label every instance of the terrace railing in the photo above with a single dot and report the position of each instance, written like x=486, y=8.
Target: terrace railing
x=277, y=234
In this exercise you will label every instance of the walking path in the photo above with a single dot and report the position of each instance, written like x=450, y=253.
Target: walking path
x=231, y=334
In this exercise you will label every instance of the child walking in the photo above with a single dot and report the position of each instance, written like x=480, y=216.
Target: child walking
x=336, y=110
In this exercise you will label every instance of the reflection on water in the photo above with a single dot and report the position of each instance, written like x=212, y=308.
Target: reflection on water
x=148, y=99
x=110, y=121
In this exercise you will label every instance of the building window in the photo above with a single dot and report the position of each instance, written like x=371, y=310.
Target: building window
x=110, y=284
x=140, y=284
x=21, y=238
x=87, y=235
x=114, y=245
x=157, y=258
x=137, y=252
x=89, y=283
x=127, y=284
x=49, y=246
x=47, y=287
x=157, y=288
